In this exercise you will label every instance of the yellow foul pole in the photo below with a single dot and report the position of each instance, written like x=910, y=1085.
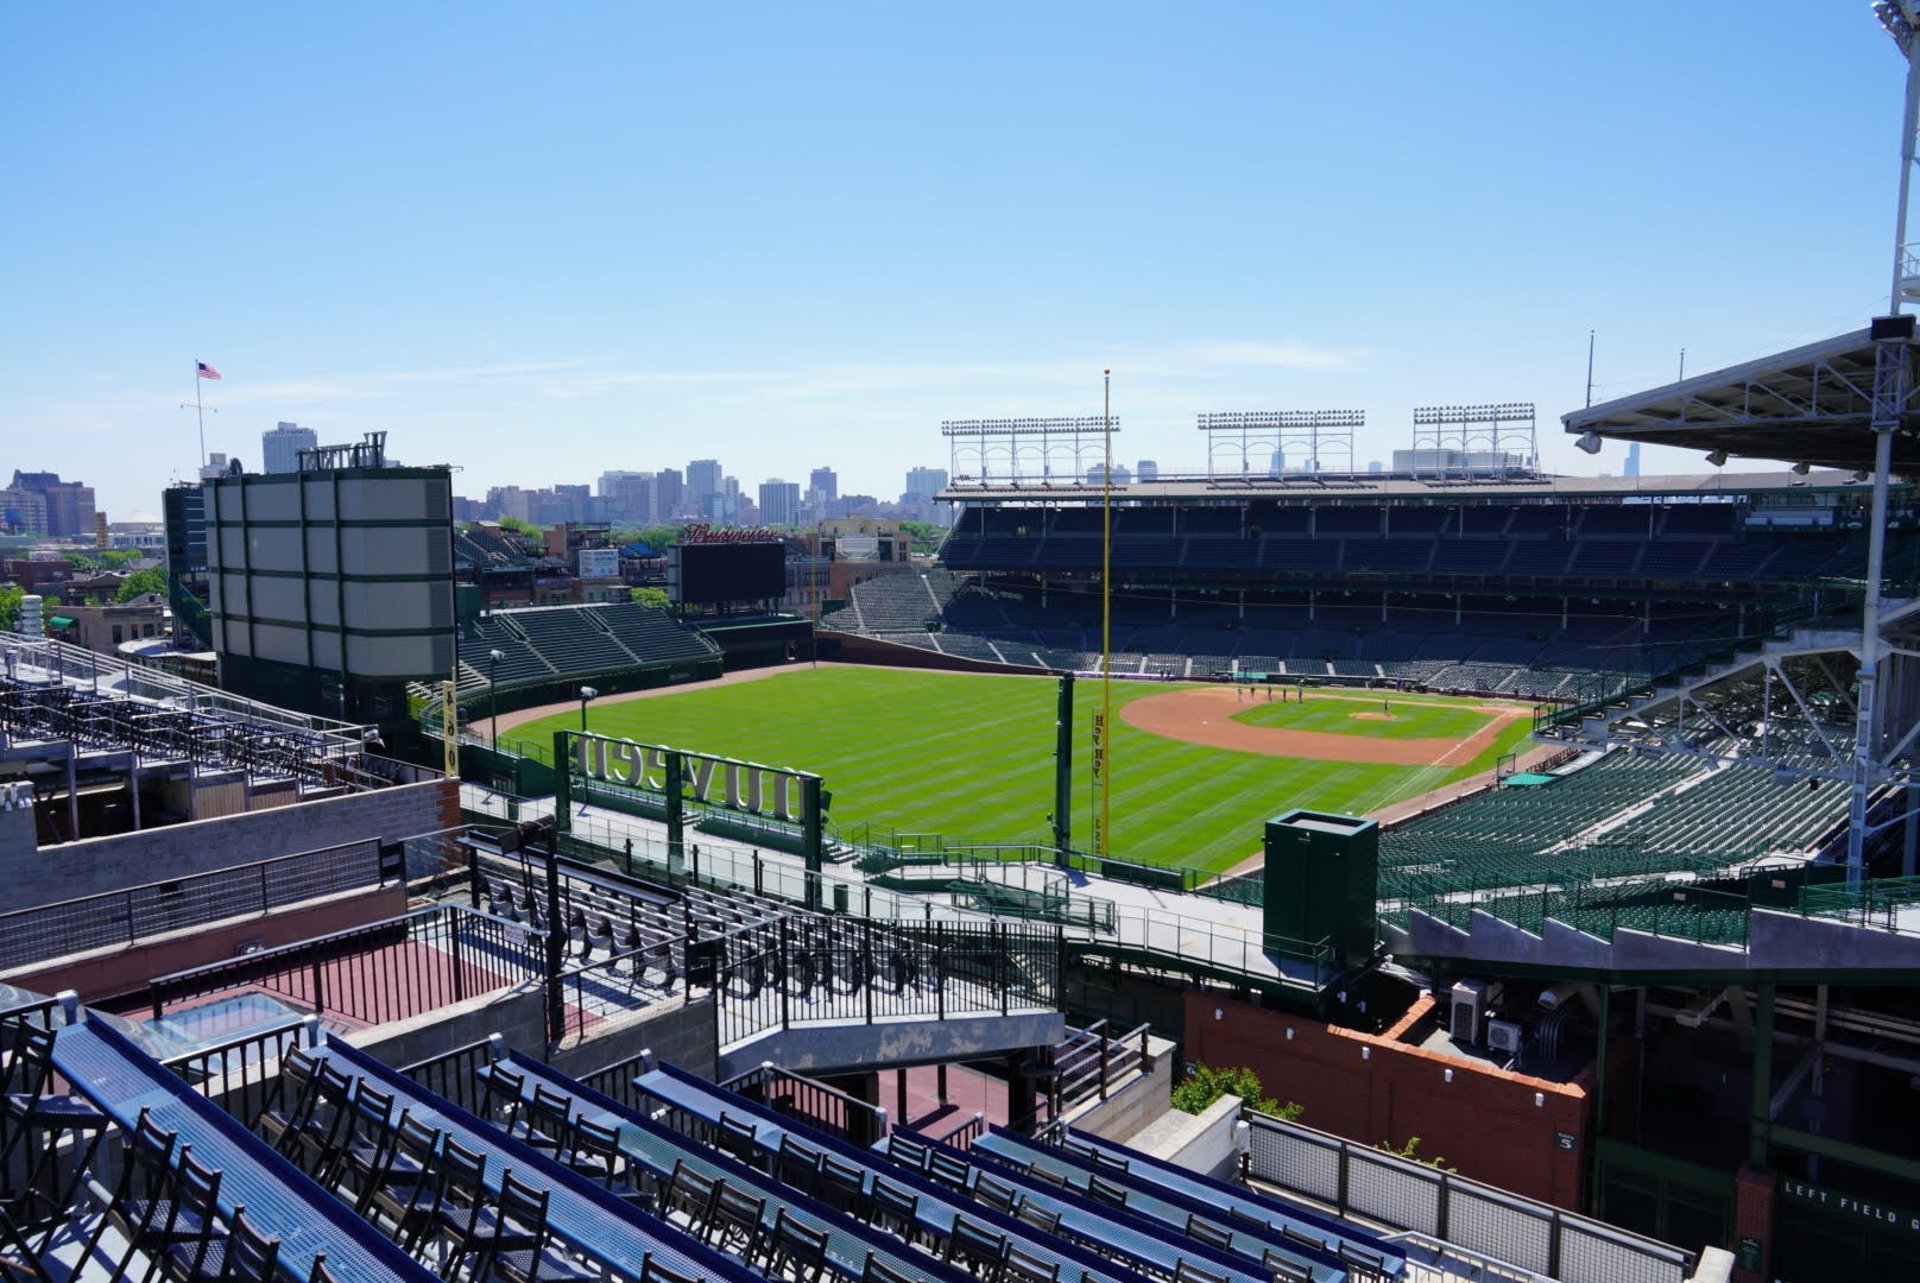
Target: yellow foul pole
x=1102, y=755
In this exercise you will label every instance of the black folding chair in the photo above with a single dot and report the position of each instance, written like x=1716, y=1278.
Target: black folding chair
x=181, y=1228
x=146, y=1178
x=410, y=1193
x=31, y=1108
x=244, y=1255
x=795, y=1251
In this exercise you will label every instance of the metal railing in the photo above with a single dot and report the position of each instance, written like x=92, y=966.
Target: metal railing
x=454, y=1075
x=964, y=1133
x=241, y=1075
x=812, y=1102
x=617, y=985
x=1358, y=1180
x=1093, y=1061
x=1875, y=902
x=124, y=917
x=373, y=974
x=840, y=971
x=616, y=1080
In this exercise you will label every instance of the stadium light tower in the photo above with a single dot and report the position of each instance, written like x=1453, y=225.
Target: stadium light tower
x=586, y=693
x=1892, y=339
x=1901, y=18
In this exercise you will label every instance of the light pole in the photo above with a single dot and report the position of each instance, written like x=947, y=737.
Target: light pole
x=493, y=698
x=586, y=693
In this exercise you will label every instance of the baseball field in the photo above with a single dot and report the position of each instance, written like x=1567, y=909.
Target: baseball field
x=1195, y=769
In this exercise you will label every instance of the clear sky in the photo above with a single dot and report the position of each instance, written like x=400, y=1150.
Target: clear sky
x=540, y=242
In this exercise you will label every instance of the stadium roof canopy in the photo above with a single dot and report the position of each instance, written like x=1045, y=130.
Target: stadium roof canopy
x=1367, y=488
x=1811, y=405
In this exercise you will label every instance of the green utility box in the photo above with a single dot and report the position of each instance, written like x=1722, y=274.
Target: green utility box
x=1321, y=881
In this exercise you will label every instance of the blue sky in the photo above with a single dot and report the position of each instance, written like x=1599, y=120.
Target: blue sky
x=542, y=242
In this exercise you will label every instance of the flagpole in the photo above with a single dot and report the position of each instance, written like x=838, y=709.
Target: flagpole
x=199, y=416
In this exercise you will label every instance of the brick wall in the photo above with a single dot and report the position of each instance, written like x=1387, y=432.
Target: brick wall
x=104, y=864
x=1373, y=1088
x=126, y=970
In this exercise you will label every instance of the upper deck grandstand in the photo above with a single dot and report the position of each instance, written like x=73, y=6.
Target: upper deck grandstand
x=1519, y=586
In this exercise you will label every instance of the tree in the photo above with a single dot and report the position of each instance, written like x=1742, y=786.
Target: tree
x=152, y=579
x=1411, y=1152
x=1204, y=1084
x=520, y=527
x=654, y=537
x=10, y=597
x=655, y=597
x=924, y=534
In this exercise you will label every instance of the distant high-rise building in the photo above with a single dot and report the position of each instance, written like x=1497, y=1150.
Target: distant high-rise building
x=779, y=502
x=1095, y=474
x=66, y=507
x=703, y=479
x=1147, y=470
x=1374, y=467
x=926, y=481
x=281, y=446
x=917, y=504
x=669, y=494
x=627, y=496
x=1633, y=460
x=826, y=482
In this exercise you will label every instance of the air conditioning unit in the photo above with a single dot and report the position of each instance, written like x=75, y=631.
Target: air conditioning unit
x=1469, y=1006
x=1504, y=1036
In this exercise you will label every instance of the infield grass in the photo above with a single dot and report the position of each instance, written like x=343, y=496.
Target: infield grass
x=971, y=758
x=1336, y=715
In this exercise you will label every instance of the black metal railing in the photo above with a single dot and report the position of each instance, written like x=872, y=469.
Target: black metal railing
x=1094, y=1060
x=241, y=1075
x=616, y=1081
x=455, y=1075
x=621, y=984
x=812, y=1102
x=373, y=974
x=964, y=1133
x=825, y=970
x=122, y=917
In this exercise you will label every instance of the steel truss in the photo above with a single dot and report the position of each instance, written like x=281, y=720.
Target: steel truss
x=1251, y=440
x=1052, y=451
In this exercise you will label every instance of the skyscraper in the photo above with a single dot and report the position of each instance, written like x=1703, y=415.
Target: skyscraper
x=668, y=494
x=703, y=480
x=779, y=502
x=926, y=481
x=68, y=505
x=628, y=496
x=280, y=447
x=826, y=482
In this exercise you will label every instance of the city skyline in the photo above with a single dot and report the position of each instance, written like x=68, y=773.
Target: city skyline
x=833, y=232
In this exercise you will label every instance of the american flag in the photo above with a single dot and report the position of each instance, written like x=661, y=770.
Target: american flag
x=207, y=371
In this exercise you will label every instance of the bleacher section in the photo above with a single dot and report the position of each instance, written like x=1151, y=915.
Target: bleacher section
x=565, y=643
x=490, y=1164
x=1600, y=846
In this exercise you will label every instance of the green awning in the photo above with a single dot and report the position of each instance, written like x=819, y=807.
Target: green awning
x=60, y=621
x=1530, y=780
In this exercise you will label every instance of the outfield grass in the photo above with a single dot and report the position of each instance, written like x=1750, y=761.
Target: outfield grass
x=1412, y=720
x=971, y=758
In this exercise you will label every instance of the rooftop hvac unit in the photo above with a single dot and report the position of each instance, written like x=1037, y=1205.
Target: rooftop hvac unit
x=1469, y=1006
x=1503, y=1036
